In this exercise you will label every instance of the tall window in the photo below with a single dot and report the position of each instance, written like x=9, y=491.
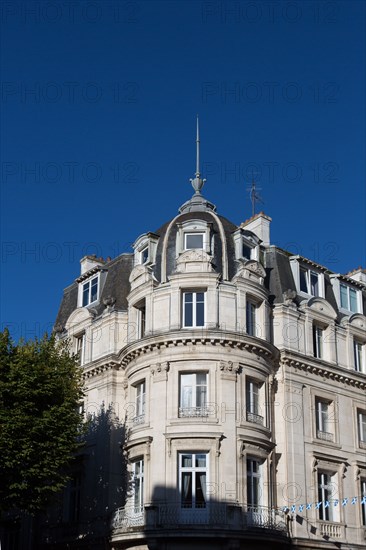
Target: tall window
x=140, y=403
x=323, y=429
x=193, y=395
x=193, y=240
x=193, y=309
x=90, y=291
x=325, y=490
x=318, y=341
x=359, y=358
x=138, y=485
x=144, y=254
x=253, y=482
x=361, y=422
x=141, y=320
x=348, y=298
x=79, y=348
x=309, y=281
x=246, y=252
x=252, y=402
x=363, y=500
x=251, y=311
x=193, y=480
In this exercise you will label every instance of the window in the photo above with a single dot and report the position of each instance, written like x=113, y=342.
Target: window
x=141, y=320
x=193, y=395
x=71, y=512
x=140, y=403
x=80, y=348
x=252, y=402
x=323, y=414
x=144, y=255
x=317, y=341
x=251, y=310
x=309, y=281
x=348, y=298
x=325, y=490
x=253, y=482
x=193, y=240
x=138, y=485
x=90, y=291
x=359, y=356
x=363, y=501
x=193, y=480
x=361, y=422
x=193, y=309
x=246, y=251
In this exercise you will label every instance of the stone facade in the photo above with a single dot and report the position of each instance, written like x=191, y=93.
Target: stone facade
x=225, y=384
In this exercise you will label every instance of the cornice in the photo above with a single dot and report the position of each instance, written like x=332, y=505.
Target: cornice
x=100, y=367
x=325, y=370
x=208, y=337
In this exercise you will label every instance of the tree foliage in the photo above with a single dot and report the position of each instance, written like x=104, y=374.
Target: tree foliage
x=40, y=392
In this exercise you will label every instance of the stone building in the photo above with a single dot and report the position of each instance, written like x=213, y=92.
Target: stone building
x=225, y=379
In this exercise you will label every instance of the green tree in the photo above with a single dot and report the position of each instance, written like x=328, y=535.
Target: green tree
x=40, y=422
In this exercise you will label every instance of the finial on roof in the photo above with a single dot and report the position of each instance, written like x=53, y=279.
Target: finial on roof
x=197, y=182
x=254, y=196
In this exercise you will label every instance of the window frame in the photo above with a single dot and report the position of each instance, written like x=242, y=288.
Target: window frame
x=324, y=494
x=193, y=470
x=140, y=402
x=251, y=313
x=324, y=408
x=194, y=303
x=196, y=408
x=194, y=233
x=359, y=359
x=348, y=289
x=83, y=284
x=361, y=427
x=144, y=249
x=254, y=479
x=253, y=401
x=363, y=498
x=318, y=340
x=138, y=480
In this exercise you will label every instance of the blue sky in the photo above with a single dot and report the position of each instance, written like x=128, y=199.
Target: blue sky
x=99, y=100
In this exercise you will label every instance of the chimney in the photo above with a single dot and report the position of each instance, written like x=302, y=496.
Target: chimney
x=88, y=262
x=260, y=226
x=358, y=275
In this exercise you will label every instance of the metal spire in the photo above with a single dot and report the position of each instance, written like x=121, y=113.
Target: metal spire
x=197, y=182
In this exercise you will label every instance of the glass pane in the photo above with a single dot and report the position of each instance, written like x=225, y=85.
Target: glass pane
x=303, y=283
x=186, y=496
x=188, y=314
x=186, y=461
x=145, y=255
x=314, y=284
x=344, y=297
x=194, y=240
x=353, y=300
x=200, y=314
x=201, y=490
x=85, y=294
x=246, y=252
x=201, y=461
x=94, y=290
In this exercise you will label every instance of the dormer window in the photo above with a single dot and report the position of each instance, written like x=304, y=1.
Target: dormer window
x=348, y=298
x=194, y=240
x=90, y=291
x=246, y=251
x=309, y=280
x=144, y=255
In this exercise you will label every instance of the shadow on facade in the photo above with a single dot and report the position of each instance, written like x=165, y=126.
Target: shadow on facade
x=82, y=516
x=175, y=521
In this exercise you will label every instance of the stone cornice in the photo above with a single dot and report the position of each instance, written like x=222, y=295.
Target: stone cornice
x=202, y=337
x=99, y=367
x=324, y=369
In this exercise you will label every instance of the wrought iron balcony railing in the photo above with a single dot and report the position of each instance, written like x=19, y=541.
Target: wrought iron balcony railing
x=192, y=412
x=325, y=436
x=219, y=515
x=256, y=418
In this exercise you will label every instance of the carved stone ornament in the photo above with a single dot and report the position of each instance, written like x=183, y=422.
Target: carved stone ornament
x=159, y=371
x=229, y=367
x=58, y=328
x=256, y=268
x=137, y=272
x=194, y=260
x=109, y=301
x=289, y=296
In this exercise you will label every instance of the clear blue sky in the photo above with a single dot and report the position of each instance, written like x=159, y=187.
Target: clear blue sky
x=99, y=101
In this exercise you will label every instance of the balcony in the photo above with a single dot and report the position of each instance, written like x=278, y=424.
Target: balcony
x=256, y=418
x=222, y=516
x=140, y=419
x=193, y=412
x=331, y=530
x=324, y=436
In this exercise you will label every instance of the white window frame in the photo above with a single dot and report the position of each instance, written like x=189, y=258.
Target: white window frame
x=297, y=265
x=253, y=405
x=194, y=471
x=309, y=273
x=323, y=412
x=251, y=314
x=140, y=402
x=325, y=487
x=89, y=282
x=359, y=356
x=142, y=251
x=80, y=348
x=138, y=473
x=361, y=427
x=190, y=233
x=193, y=403
x=194, y=307
x=349, y=289
x=363, y=498
x=254, y=479
x=318, y=341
